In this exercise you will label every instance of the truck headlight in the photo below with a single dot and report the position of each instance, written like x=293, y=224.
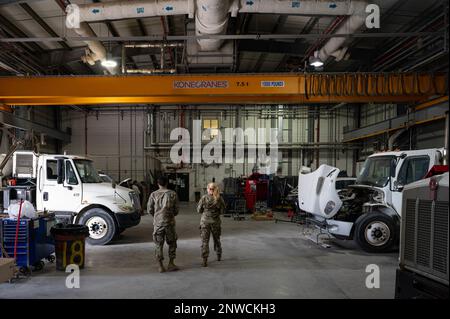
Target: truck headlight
x=329, y=207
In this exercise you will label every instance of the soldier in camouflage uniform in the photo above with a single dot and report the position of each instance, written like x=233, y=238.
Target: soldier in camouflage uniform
x=211, y=206
x=163, y=206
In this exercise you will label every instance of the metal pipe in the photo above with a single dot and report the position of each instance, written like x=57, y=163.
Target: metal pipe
x=149, y=131
x=118, y=140
x=427, y=60
x=8, y=155
x=214, y=112
x=283, y=147
x=131, y=143
x=155, y=45
x=135, y=145
x=151, y=71
x=406, y=53
x=393, y=138
x=123, y=59
x=318, y=140
x=85, y=134
x=447, y=146
x=170, y=144
x=158, y=37
x=8, y=68
x=390, y=53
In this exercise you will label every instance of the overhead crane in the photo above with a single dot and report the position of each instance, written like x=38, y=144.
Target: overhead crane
x=223, y=89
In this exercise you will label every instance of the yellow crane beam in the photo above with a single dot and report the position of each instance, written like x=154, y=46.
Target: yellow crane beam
x=223, y=89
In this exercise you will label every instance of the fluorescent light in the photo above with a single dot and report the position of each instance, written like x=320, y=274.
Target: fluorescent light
x=109, y=63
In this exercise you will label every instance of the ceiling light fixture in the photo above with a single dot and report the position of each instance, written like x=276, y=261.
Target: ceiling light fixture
x=315, y=61
x=109, y=63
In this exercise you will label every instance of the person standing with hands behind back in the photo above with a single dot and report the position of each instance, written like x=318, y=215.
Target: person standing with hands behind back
x=211, y=206
x=163, y=206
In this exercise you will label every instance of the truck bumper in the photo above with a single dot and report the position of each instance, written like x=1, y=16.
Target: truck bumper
x=126, y=220
x=340, y=229
x=409, y=285
x=337, y=228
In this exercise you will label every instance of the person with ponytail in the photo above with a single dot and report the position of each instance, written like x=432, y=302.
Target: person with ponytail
x=211, y=206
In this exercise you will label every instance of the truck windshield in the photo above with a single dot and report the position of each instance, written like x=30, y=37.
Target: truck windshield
x=375, y=171
x=87, y=171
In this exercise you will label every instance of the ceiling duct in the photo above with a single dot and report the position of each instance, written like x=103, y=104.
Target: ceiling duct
x=117, y=10
x=95, y=51
x=356, y=19
x=211, y=16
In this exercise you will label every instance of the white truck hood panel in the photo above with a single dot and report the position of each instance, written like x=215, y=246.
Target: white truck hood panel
x=317, y=189
x=103, y=188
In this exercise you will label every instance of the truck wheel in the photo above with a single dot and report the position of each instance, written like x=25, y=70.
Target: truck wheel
x=375, y=232
x=101, y=225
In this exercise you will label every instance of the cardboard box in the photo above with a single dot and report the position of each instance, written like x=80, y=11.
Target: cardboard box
x=7, y=267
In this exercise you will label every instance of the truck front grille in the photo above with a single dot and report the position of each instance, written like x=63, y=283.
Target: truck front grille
x=426, y=240
x=440, y=238
x=410, y=229
x=424, y=232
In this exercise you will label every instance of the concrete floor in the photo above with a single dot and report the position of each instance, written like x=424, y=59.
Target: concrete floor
x=261, y=259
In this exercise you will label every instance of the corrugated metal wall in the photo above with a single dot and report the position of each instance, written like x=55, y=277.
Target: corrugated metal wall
x=44, y=115
x=115, y=140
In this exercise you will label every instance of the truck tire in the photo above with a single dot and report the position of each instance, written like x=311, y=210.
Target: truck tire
x=375, y=232
x=101, y=225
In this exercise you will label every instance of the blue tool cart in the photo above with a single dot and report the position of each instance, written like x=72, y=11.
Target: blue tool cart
x=34, y=241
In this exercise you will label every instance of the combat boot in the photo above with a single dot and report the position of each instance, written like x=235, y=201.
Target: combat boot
x=171, y=266
x=161, y=266
x=205, y=262
x=219, y=257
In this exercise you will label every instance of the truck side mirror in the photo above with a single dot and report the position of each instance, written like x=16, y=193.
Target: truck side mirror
x=392, y=168
x=398, y=186
x=60, y=171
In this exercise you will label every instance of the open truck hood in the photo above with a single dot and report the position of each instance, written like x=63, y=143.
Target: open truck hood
x=317, y=193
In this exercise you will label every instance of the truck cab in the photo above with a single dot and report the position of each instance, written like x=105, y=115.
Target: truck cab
x=70, y=187
x=370, y=210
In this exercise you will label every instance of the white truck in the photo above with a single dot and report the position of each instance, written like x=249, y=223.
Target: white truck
x=69, y=186
x=423, y=271
x=369, y=211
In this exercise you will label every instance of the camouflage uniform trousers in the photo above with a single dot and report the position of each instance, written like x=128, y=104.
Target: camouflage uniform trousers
x=168, y=234
x=205, y=231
